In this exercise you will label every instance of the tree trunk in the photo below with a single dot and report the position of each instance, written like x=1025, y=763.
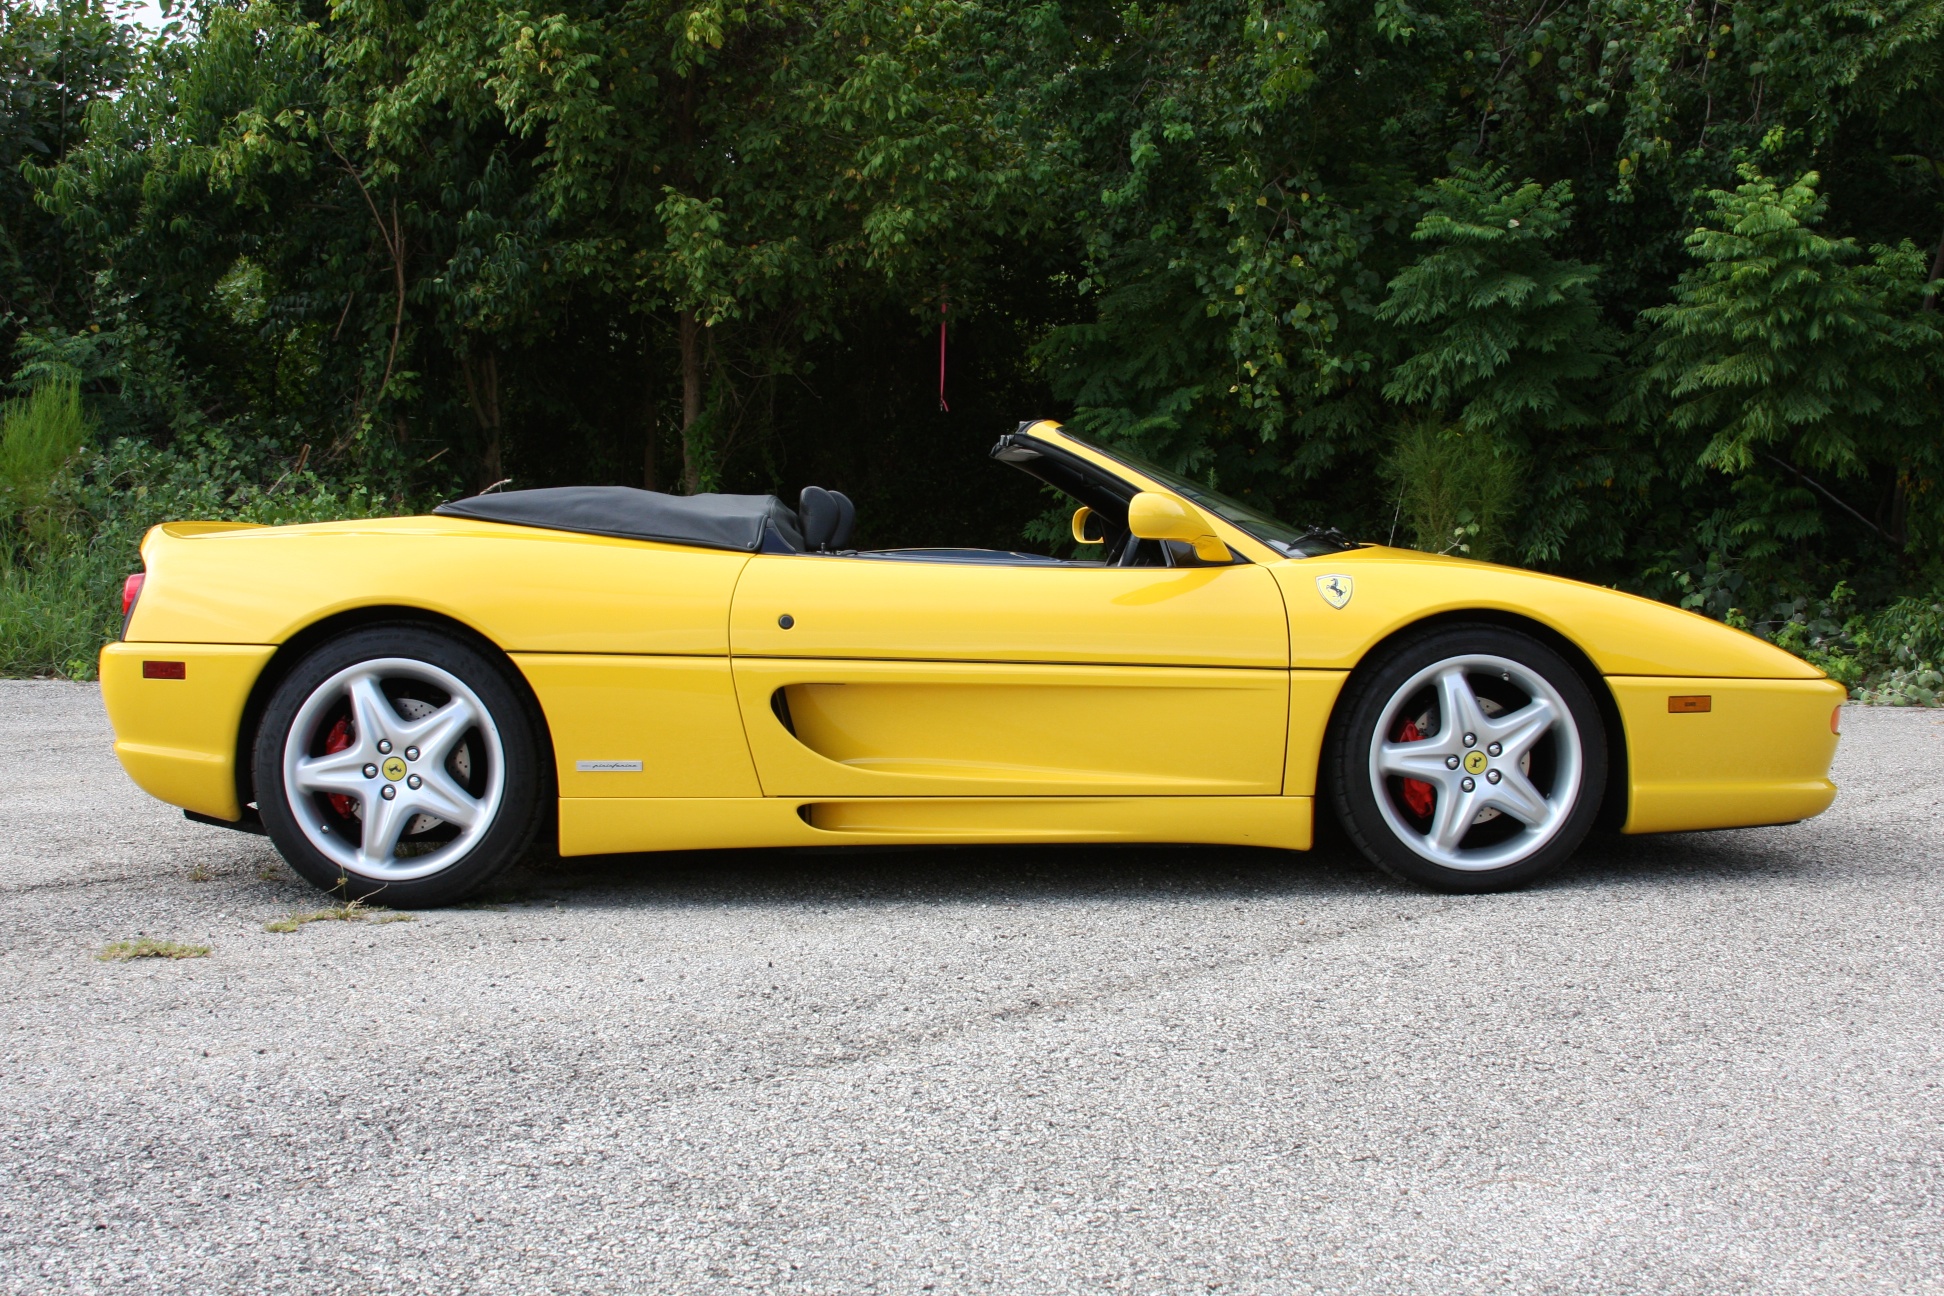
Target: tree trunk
x=688, y=329
x=1936, y=273
x=689, y=332
x=1900, y=514
x=648, y=445
x=482, y=392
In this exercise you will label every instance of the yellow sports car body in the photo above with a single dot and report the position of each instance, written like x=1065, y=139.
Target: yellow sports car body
x=401, y=704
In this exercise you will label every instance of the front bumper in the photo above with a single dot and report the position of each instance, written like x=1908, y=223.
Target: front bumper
x=1759, y=754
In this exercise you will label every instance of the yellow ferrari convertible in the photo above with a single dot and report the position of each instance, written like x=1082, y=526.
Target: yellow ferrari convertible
x=403, y=704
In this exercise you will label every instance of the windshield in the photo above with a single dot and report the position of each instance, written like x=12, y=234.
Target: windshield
x=1290, y=541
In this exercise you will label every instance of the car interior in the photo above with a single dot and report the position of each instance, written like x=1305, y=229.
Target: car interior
x=826, y=519
x=823, y=520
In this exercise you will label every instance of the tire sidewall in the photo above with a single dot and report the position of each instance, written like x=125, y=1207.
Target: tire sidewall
x=1348, y=755
x=514, y=823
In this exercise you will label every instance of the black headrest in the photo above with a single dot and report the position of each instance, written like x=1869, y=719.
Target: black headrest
x=817, y=516
x=826, y=517
x=846, y=521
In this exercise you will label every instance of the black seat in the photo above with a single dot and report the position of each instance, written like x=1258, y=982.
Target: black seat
x=846, y=521
x=826, y=518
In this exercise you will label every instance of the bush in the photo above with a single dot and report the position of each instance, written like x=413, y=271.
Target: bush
x=1905, y=643
x=44, y=601
x=1456, y=491
x=38, y=435
x=63, y=559
x=1891, y=657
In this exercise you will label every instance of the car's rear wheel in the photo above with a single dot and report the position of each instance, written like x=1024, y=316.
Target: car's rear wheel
x=399, y=762
x=1469, y=758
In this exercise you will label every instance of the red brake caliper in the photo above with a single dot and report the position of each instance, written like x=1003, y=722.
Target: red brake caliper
x=1417, y=794
x=336, y=741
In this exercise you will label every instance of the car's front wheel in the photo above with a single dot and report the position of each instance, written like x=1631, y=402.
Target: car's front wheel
x=399, y=762
x=1469, y=758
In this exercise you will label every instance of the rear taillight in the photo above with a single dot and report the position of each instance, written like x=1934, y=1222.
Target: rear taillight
x=131, y=594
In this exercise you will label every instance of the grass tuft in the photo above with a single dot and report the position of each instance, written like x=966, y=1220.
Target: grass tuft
x=149, y=947
x=38, y=435
x=349, y=911
x=202, y=873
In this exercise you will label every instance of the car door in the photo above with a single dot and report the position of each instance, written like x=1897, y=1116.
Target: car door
x=872, y=676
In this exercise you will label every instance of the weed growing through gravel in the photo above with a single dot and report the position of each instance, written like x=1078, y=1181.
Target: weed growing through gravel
x=349, y=911
x=149, y=947
x=201, y=873
x=271, y=873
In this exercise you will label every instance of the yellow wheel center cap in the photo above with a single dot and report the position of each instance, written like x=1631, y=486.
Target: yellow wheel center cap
x=1475, y=763
x=395, y=768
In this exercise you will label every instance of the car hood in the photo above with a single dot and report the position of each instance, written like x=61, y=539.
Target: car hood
x=1623, y=634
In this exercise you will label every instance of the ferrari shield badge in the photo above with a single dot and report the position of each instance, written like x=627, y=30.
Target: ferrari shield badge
x=1336, y=590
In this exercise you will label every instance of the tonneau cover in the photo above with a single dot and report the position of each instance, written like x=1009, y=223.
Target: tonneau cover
x=711, y=521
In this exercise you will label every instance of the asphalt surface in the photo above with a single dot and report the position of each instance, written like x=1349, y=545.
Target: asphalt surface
x=1707, y=1063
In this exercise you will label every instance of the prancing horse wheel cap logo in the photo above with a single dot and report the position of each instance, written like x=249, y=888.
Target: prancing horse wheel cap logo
x=394, y=769
x=1475, y=762
x=1336, y=590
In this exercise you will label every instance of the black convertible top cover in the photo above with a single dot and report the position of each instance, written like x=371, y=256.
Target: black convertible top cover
x=711, y=521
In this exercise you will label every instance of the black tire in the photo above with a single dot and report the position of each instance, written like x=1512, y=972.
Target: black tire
x=511, y=767
x=1455, y=845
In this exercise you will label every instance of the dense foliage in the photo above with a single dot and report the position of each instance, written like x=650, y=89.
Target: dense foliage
x=1640, y=291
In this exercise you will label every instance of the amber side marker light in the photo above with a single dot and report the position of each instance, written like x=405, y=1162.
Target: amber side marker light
x=165, y=670
x=1694, y=705
x=1836, y=720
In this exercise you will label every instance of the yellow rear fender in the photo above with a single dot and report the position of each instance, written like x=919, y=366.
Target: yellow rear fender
x=521, y=588
x=199, y=729
x=301, y=644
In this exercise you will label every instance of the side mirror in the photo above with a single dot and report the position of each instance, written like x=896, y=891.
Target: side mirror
x=1081, y=517
x=1155, y=516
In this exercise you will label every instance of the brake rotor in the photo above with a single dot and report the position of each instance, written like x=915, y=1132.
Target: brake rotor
x=417, y=709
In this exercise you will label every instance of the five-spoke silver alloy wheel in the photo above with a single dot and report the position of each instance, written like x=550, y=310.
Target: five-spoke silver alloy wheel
x=1482, y=738
x=393, y=769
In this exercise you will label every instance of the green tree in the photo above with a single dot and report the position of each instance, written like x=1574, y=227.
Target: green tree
x=431, y=197
x=57, y=60
x=417, y=247
x=1503, y=340
x=1787, y=349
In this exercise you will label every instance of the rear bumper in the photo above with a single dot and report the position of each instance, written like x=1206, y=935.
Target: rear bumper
x=1759, y=754
x=177, y=737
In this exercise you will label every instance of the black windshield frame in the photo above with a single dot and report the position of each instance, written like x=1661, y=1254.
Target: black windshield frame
x=1289, y=541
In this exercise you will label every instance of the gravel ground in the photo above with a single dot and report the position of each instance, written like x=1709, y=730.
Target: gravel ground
x=1706, y=1063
